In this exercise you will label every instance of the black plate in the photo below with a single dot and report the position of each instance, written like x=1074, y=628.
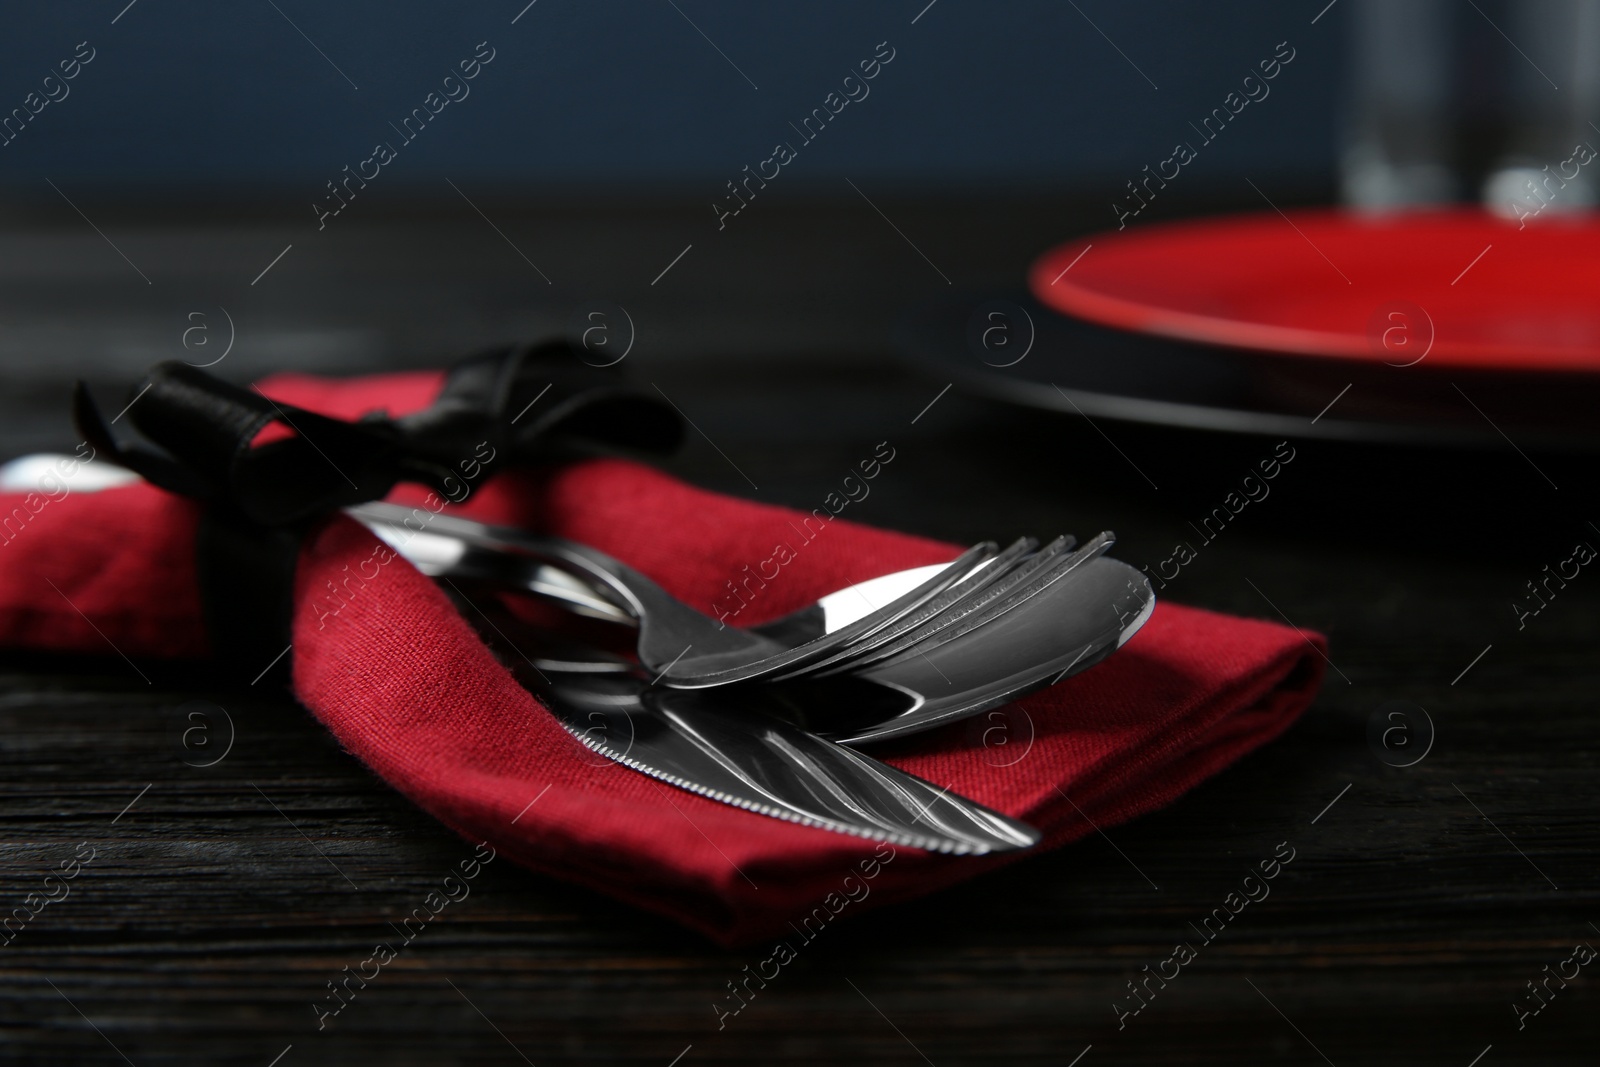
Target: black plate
x=1010, y=347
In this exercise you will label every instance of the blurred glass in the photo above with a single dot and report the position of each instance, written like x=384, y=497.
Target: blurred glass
x=1552, y=99
x=1399, y=149
x=1422, y=99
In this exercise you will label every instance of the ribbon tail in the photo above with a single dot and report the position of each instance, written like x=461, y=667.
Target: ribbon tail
x=155, y=467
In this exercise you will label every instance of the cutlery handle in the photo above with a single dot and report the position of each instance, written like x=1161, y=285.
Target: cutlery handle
x=668, y=628
x=452, y=547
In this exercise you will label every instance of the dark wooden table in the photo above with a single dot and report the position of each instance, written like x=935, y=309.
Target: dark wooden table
x=1421, y=902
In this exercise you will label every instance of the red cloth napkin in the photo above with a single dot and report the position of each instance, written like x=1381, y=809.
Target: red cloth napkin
x=404, y=683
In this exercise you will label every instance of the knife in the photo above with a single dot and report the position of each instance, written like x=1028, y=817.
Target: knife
x=740, y=745
x=715, y=743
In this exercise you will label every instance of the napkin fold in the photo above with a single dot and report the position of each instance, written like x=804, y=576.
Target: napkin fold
x=384, y=661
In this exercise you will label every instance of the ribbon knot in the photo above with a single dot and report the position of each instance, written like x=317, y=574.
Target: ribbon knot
x=268, y=471
x=275, y=464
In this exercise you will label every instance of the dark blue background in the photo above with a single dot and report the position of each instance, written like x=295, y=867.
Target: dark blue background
x=190, y=98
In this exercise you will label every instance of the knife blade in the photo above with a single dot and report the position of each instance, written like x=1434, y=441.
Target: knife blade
x=719, y=744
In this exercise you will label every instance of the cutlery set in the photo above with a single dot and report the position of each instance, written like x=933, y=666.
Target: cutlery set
x=768, y=718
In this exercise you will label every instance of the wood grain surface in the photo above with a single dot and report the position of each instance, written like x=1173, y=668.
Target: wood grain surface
x=220, y=899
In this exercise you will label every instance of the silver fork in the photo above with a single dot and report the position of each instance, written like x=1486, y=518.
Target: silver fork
x=1055, y=619
x=668, y=629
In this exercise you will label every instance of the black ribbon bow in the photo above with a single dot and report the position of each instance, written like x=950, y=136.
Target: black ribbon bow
x=506, y=407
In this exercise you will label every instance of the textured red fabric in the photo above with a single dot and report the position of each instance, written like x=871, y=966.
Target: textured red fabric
x=404, y=683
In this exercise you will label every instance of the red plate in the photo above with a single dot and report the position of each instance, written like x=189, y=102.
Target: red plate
x=1458, y=288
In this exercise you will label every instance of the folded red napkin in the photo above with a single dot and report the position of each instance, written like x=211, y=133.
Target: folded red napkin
x=386, y=663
